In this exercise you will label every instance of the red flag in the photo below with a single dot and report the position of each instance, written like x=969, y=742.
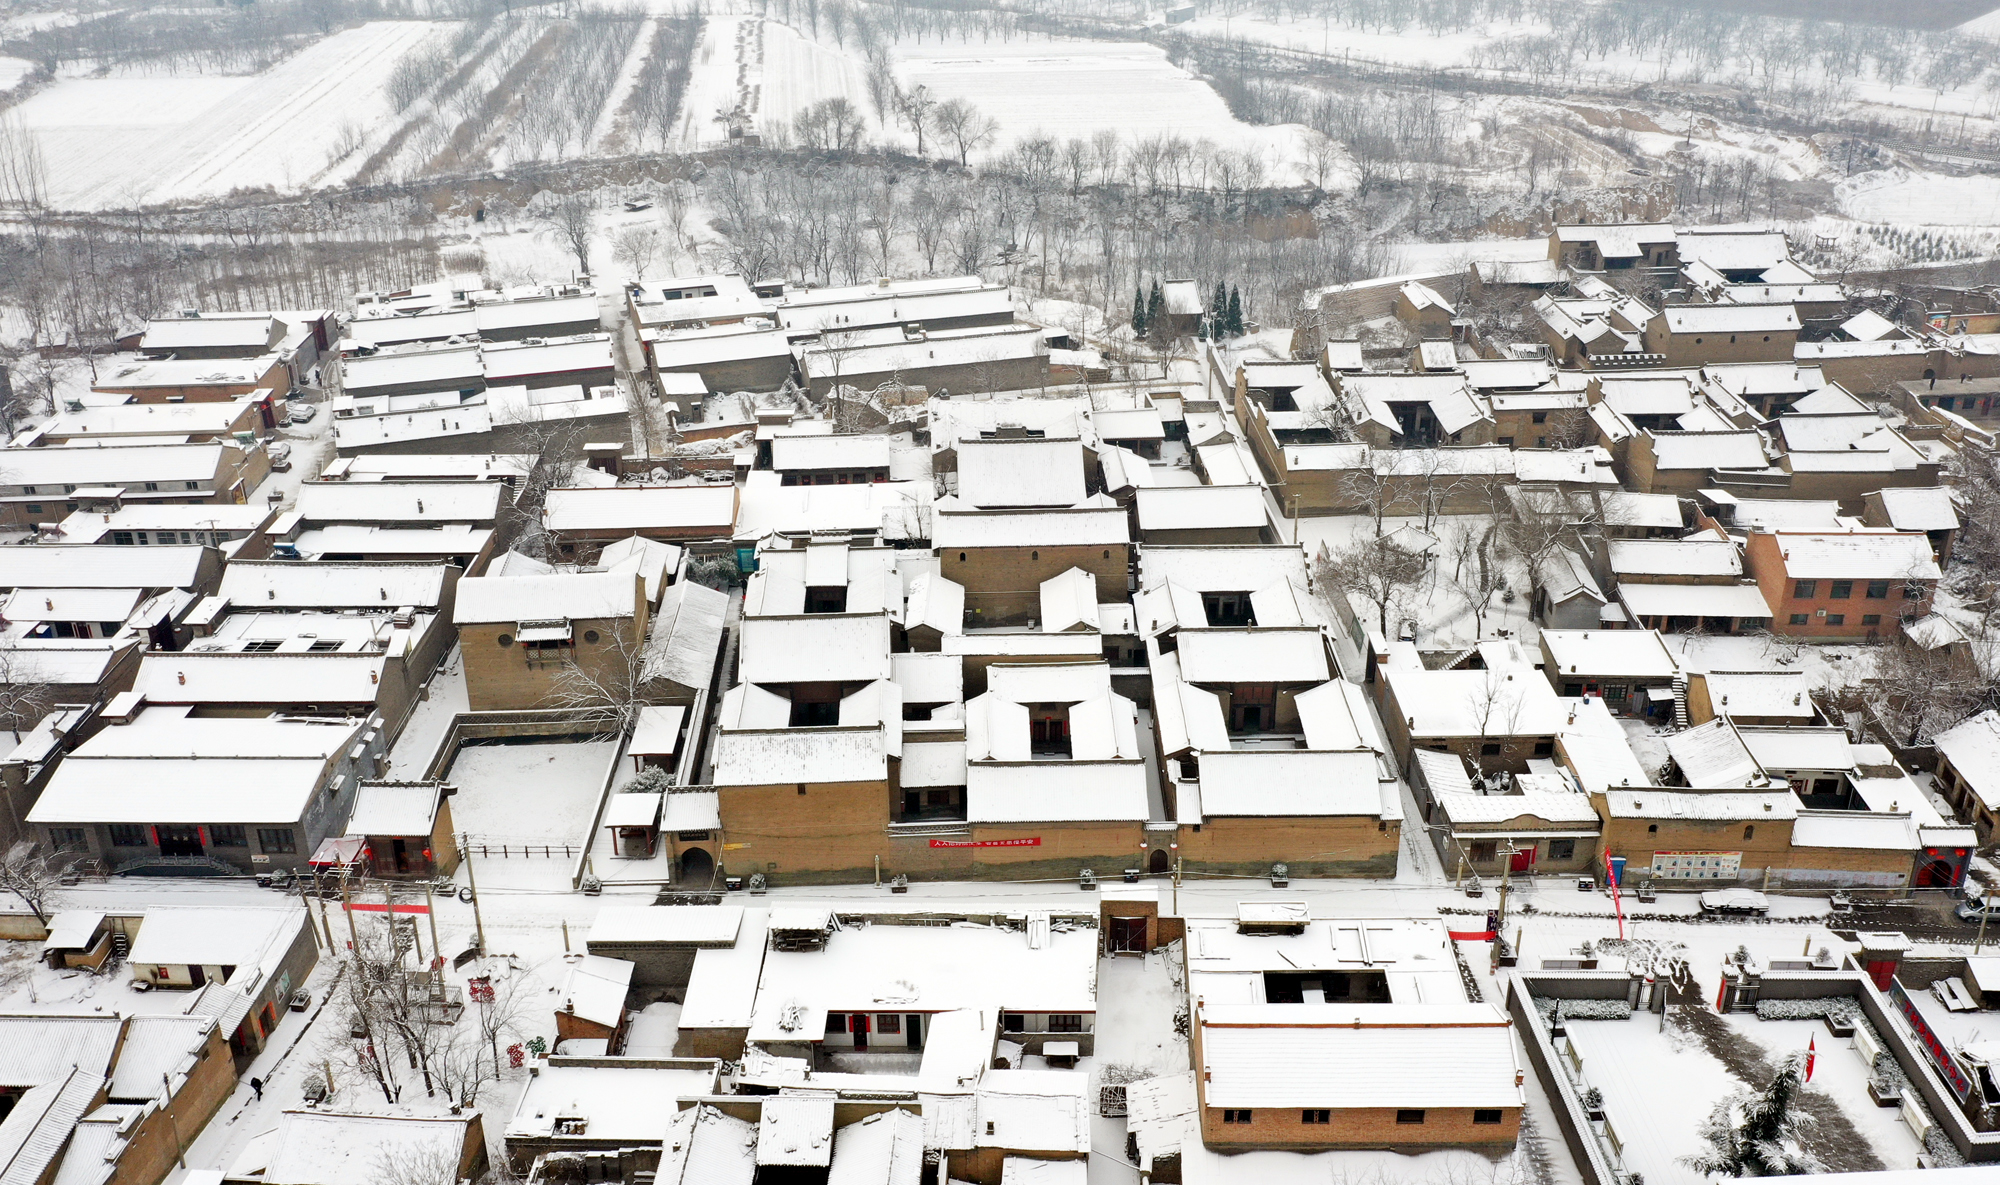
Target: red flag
x=1811, y=1053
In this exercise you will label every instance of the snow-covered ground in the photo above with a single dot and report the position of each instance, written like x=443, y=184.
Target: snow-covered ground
x=1074, y=89
x=125, y=140
x=12, y=71
x=1902, y=197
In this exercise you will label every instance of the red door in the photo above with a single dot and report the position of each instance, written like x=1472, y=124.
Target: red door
x=1524, y=860
x=857, y=1024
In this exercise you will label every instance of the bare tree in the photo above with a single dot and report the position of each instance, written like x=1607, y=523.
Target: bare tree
x=968, y=130
x=918, y=111
x=414, y=1163
x=34, y=878
x=1919, y=691
x=1379, y=571
x=635, y=247
x=1495, y=707
x=26, y=695
x=609, y=687
x=570, y=219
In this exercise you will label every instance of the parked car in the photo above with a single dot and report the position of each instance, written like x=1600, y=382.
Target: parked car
x=1747, y=901
x=1973, y=911
x=303, y=414
x=280, y=451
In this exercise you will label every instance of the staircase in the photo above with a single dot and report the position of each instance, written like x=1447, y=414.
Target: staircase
x=1680, y=700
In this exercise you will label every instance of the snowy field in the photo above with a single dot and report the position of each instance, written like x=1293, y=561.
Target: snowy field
x=1073, y=89
x=12, y=71
x=1903, y=197
x=540, y=793
x=121, y=141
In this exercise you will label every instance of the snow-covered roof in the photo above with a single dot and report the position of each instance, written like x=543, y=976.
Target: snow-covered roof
x=1302, y=1055
x=1780, y=514
x=1638, y=654
x=1476, y=703
x=1557, y=808
x=595, y=989
x=692, y=509
x=395, y=809
x=779, y=757
x=1129, y=423
x=801, y=452
x=1201, y=508
x=815, y=648
x=248, y=331
x=1973, y=748
x=1020, y=471
x=1254, y=655
x=236, y=936
x=676, y=925
x=886, y=1148
x=956, y=527
x=618, y=1104
x=1699, y=806
x=1858, y=555
x=1869, y=326
x=1707, y=450
x=1069, y=602
x=568, y=596
x=1919, y=508
x=1760, y=693
x=1056, y=791
x=277, y=679
x=1712, y=756
x=1798, y=749
x=928, y=969
x=722, y=987
x=686, y=634
x=795, y=1130
x=187, y=372
x=401, y=501
x=316, y=1147
x=1293, y=783
x=1035, y=1111
x=1742, y=599
x=929, y=678
x=1854, y=829
x=273, y=790
x=1702, y=556
x=1731, y=318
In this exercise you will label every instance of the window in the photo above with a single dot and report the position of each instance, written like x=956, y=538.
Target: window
x=590, y=636
x=1489, y=750
x=260, y=646
x=1805, y=590
x=194, y=485
x=1506, y=442
x=1836, y=619
x=1798, y=619
x=323, y=647
x=1480, y=853
x=277, y=840
x=1871, y=619
x=1486, y=1116
x=1065, y=1022
x=889, y=1022
x=128, y=835
x=1410, y=1115
x=1541, y=417
x=1841, y=590
x=1320, y=1116
x=1034, y=555
x=1750, y=831
x=29, y=490
x=152, y=485
x=227, y=835
x=1013, y=1022
x=1545, y=748
x=1878, y=590
x=505, y=640
x=961, y=557
x=1562, y=849
x=1653, y=829
x=34, y=508
x=68, y=839
x=1234, y=1115
x=1572, y=690
x=836, y=1022
x=121, y=538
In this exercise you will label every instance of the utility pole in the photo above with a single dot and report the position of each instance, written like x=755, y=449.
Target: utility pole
x=353, y=934
x=1506, y=869
x=167, y=1105
x=1177, y=877
x=1985, y=905
x=430, y=908
x=471, y=882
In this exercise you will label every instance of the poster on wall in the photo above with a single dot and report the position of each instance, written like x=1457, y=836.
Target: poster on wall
x=1697, y=866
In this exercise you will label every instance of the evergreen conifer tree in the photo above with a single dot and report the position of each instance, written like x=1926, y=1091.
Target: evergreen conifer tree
x=1139, y=311
x=1235, y=316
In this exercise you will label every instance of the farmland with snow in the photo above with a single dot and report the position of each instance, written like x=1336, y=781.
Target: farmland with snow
x=118, y=141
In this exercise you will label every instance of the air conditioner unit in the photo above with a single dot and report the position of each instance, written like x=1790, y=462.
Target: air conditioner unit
x=1821, y=613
